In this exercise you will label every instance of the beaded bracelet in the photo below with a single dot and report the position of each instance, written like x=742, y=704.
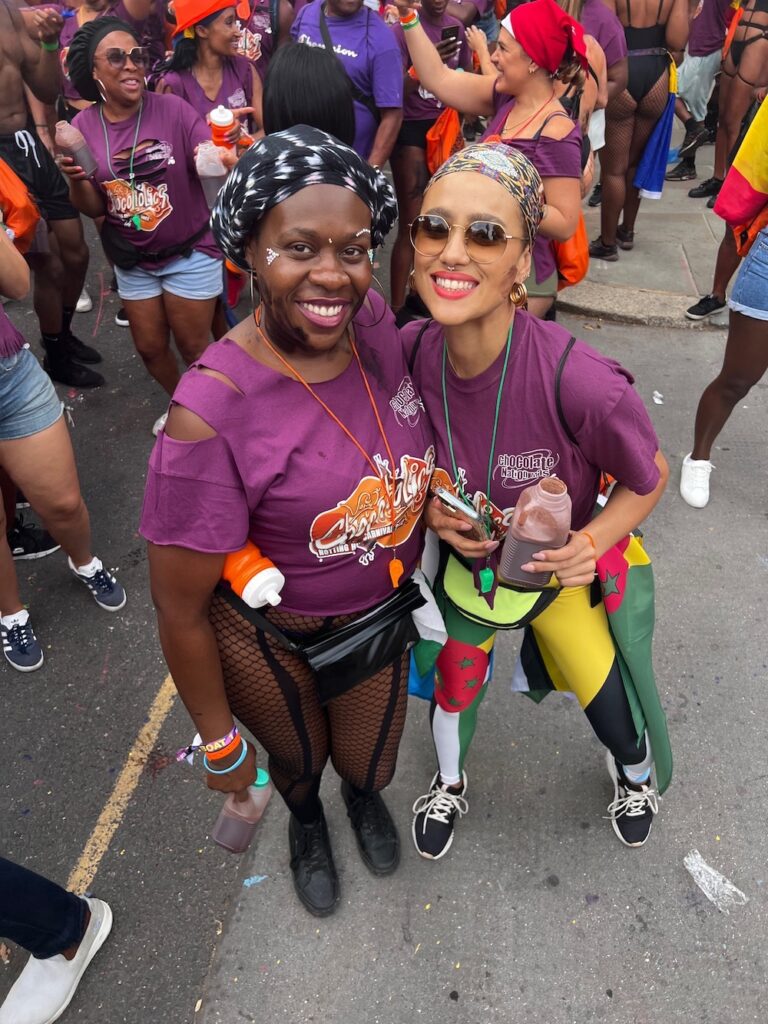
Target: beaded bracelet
x=409, y=20
x=232, y=767
x=49, y=47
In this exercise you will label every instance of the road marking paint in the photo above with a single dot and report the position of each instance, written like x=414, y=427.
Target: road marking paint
x=84, y=872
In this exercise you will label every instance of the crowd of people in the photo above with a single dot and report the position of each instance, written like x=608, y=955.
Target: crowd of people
x=340, y=125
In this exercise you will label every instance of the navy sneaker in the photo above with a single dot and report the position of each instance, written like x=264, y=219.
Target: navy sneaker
x=20, y=645
x=105, y=590
x=28, y=541
x=633, y=807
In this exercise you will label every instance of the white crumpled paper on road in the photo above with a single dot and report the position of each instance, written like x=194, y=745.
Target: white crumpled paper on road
x=715, y=886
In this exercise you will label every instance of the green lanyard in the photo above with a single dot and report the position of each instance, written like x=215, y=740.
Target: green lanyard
x=135, y=219
x=486, y=575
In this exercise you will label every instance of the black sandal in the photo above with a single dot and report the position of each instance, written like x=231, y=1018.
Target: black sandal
x=600, y=251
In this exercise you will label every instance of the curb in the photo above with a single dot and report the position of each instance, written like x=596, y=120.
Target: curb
x=639, y=306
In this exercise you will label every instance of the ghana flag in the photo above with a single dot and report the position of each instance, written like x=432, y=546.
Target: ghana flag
x=744, y=195
x=625, y=574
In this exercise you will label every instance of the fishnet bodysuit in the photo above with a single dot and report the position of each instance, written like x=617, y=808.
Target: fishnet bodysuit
x=273, y=693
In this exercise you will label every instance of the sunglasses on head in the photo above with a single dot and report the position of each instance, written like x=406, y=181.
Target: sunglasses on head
x=484, y=240
x=117, y=57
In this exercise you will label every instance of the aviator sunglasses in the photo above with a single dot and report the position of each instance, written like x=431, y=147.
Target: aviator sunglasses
x=484, y=240
x=117, y=57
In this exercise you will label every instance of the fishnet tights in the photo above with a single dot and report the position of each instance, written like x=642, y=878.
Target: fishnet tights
x=628, y=127
x=273, y=694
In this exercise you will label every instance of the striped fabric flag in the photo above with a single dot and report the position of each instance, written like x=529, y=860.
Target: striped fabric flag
x=745, y=190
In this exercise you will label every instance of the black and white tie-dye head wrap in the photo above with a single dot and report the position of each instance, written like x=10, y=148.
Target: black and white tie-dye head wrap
x=279, y=166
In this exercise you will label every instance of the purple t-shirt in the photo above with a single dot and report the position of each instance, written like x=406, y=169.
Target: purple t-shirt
x=150, y=31
x=235, y=92
x=281, y=472
x=600, y=406
x=552, y=158
x=421, y=105
x=257, y=41
x=369, y=52
x=601, y=22
x=11, y=340
x=708, y=28
x=168, y=196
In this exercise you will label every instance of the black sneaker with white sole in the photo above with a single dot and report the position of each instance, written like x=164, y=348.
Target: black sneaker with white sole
x=633, y=806
x=20, y=645
x=105, y=590
x=28, y=541
x=434, y=815
x=121, y=317
x=707, y=306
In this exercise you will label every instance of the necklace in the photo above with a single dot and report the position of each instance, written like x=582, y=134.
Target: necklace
x=395, y=566
x=135, y=219
x=524, y=124
x=487, y=577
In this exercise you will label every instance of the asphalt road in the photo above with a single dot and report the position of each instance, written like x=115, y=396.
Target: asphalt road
x=537, y=915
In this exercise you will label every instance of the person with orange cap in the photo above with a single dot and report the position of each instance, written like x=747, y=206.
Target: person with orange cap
x=538, y=43
x=207, y=69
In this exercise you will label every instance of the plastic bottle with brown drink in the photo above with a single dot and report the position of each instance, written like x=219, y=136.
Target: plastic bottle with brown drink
x=71, y=142
x=541, y=521
x=241, y=813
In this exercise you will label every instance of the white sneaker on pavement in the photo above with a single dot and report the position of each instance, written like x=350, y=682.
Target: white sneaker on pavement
x=45, y=988
x=694, y=481
x=84, y=303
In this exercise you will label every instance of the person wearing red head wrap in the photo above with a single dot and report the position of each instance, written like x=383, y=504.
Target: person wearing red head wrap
x=525, y=112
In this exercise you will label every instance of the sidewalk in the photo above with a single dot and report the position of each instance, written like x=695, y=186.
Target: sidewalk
x=671, y=265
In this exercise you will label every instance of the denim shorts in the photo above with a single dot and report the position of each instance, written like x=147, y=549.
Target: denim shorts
x=750, y=293
x=28, y=400
x=196, y=276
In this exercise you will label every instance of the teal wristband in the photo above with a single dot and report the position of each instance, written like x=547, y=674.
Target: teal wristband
x=49, y=47
x=232, y=767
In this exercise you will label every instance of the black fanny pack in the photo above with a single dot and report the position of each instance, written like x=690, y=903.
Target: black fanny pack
x=343, y=656
x=120, y=251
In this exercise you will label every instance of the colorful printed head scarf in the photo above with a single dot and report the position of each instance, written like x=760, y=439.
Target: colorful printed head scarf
x=279, y=166
x=511, y=169
x=546, y=32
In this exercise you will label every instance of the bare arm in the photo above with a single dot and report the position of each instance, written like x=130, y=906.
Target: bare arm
x=384, y=142
x=84, y=195
x=257, y=117
x=677, y=27
x=44, y=117
x=563, y=203
x=597, y=61
x=14, y=272
x=285, y=20
x=40, y=67
x=479, y=45
x=469, y=94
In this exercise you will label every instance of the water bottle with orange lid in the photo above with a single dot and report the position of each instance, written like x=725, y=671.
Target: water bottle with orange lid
x=253, y=577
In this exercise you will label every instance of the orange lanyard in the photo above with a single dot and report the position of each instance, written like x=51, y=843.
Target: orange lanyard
x=395, y=566
x=521, y=125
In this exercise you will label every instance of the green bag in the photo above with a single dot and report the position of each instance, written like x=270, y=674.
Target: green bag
x=513, y=608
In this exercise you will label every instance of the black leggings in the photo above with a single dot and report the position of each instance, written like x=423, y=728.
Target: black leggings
x=273, y=693
x=609, y=715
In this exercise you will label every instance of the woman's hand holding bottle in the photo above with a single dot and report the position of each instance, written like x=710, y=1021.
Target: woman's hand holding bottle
x=235, y=781
x=454, y=531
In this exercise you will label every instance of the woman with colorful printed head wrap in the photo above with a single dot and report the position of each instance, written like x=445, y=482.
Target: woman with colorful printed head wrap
x=302, y=432
x=207, y=68
x=512, y=401
x=538, y=43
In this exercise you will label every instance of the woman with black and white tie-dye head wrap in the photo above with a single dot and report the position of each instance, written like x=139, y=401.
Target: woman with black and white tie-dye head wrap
x=310, y=441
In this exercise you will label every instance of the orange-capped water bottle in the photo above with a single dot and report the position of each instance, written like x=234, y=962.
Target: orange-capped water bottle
x=221, y=120
x=541, y=521
x=253, y=577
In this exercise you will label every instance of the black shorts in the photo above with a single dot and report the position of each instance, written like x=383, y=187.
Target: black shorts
x=414, y=133
x=25, y=153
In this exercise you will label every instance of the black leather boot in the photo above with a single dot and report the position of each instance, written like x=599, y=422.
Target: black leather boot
x=314, y=873
x=374, y=829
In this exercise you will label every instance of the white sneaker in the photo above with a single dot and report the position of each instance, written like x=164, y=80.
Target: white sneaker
x=694, y=481
x=159, y=424
x=45, y=988
x=84, y=303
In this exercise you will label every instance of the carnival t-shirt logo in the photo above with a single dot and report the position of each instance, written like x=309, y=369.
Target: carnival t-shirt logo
x=406, y=404
x=150, y=202
x=364, y=519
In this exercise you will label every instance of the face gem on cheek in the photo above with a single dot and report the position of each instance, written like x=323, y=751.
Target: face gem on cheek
x=271, y=256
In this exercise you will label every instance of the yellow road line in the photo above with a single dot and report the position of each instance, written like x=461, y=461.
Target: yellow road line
x=85, y=870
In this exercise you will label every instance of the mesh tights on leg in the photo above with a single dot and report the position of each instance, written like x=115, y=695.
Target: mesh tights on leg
x=273, y=694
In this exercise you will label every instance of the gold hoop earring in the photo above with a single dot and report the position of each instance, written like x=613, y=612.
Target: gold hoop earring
x=518, y=295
